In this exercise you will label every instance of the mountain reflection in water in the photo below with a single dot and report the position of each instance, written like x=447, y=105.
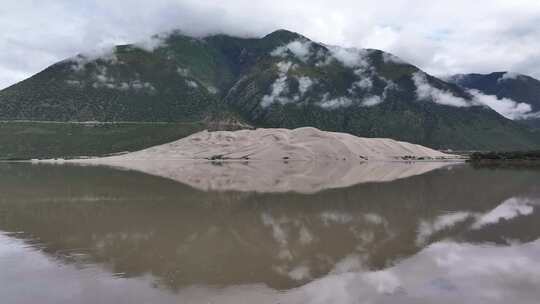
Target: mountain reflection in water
x=446, y=235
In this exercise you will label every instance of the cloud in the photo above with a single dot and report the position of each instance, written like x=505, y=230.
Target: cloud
x=350, y=57
x=299, y=48
x=191, y=84
x=508, y=75
x=279, y=87
x=366, y=101
x=102, y=79
x=505, y=106
x=425, y=91
x=371, y=101
x=390, y=58
x=339, y=102
x=304, y=84
x=442, y=38
x=105, y=53
x=364, y=83
x=153, y=42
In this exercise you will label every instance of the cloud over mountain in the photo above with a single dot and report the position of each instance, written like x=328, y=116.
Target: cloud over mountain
x=453, y=37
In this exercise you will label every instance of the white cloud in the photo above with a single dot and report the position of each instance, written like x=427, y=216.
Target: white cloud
x=191, y=84
x=508, y=75
x=338, y=102
x=153, y=42
x=504, y=106
x=102, y=79
x=364, y=83
x=425, y=91
x=346, y=101
x=279, y=86
x=106, y=53
x=350, y=57
x=442, y=38
x=304, y=84
x=390, y=58
x=371, y=101
x=284, y=67
x=299, y=48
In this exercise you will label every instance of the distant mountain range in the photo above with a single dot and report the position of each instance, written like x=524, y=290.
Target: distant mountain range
x=523, y=90
x=280, y=80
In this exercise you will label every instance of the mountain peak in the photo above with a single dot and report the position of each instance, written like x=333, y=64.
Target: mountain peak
x=283, y=35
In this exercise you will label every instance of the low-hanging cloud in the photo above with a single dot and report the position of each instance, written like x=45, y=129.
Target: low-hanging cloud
x=153, y=42
x=350, y=57
x=279, y=87
x=304, y=84
x=299, y=48
x=505, y=106
x=338, y=102
x=425, y=91
x=508, y=76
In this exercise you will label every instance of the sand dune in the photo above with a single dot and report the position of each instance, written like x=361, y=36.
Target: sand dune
x=278, y=160
x=283, y=144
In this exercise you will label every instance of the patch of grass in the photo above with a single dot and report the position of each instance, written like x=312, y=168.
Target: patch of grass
x=27, y=140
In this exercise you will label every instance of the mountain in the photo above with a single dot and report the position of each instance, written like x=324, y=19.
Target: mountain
x=516, y=87
x=280, y=80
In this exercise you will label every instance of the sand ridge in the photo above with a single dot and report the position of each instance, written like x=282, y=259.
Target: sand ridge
x=302, y=160
x=284, y=144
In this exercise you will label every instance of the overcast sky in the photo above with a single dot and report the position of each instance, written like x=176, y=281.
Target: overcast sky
x=441, y=37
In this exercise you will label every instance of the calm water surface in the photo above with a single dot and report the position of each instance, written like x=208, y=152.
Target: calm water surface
x=84, y=234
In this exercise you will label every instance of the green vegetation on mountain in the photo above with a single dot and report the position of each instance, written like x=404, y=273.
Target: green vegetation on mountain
x=280, y=80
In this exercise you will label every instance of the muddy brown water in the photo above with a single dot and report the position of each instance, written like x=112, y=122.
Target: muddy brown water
x=74, y=234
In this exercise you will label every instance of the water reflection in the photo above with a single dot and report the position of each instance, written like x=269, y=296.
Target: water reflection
x=451, y=234
x=260, y=176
